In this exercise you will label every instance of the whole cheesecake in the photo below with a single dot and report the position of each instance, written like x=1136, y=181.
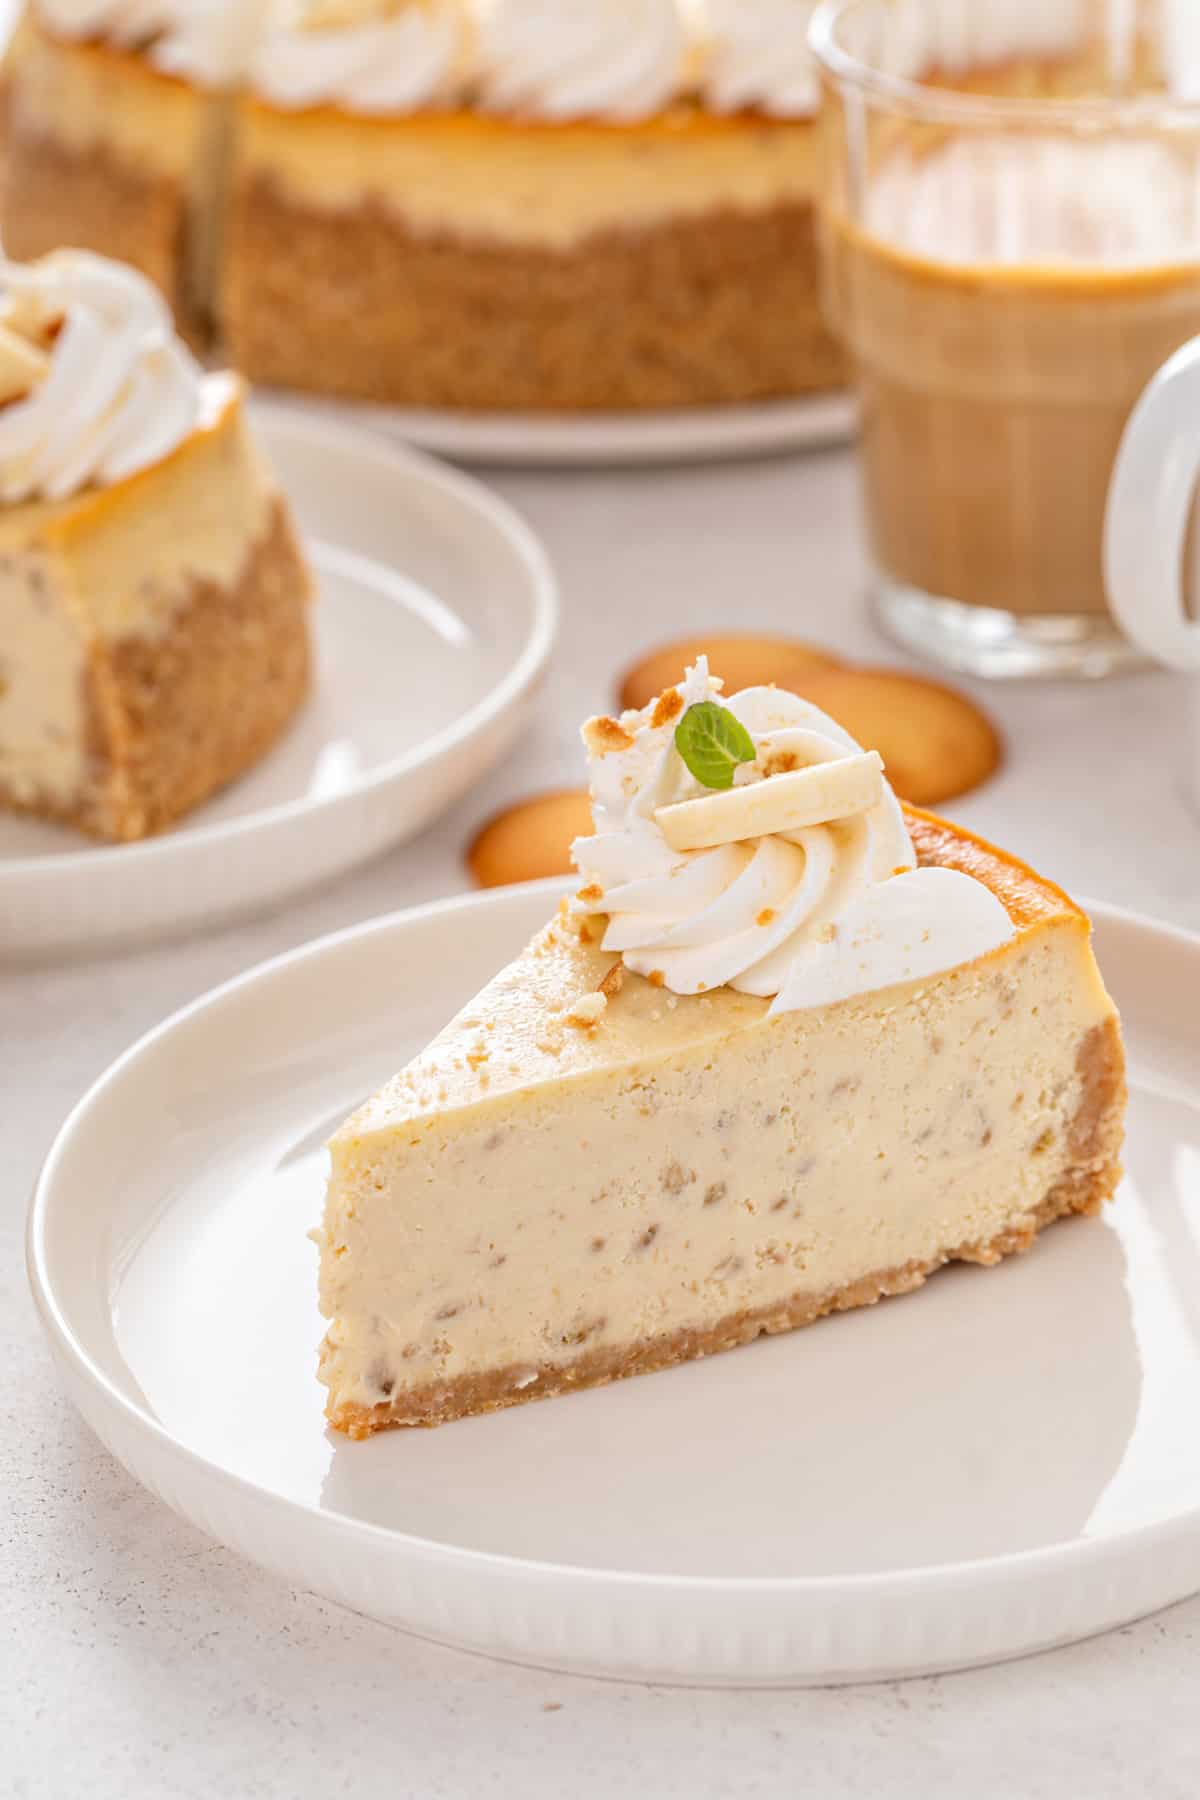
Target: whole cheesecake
x=477, y=204
x=529, y=209
x=790, y=1050
x=153, y=596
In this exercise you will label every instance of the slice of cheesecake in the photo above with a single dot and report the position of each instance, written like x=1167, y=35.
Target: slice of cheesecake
x=588, y=1175
x=153, y=595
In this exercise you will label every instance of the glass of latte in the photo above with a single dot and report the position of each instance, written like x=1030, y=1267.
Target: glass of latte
x=1012, y=238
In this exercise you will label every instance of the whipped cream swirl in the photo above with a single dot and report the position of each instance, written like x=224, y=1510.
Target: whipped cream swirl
x=109, y=388
x=602, y=59
x=367, y=56
x=806, y=916
x=757, y=56
x=205, y=41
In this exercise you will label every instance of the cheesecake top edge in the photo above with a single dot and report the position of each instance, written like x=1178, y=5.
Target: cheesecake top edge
x=448, y=1079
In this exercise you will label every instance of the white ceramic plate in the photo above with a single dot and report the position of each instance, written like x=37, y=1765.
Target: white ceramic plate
x=435, y=616
x=583, y=440
x=1004, y=1461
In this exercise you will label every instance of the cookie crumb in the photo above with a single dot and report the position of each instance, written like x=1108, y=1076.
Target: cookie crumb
x=603, y=734
x=668, y=706
x=587, y=1012
x=613, y=982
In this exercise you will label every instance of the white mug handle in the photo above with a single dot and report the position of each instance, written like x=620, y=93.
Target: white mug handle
x=1149, y=507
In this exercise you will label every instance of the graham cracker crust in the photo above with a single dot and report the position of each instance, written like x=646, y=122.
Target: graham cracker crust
x=703, y=311
x=174, y=718
x=55, y=195
x=1094, y=1143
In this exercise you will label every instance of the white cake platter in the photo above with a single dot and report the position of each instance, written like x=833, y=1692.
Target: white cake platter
x=1004, y=1461
x=435, y=616
x=613, y=440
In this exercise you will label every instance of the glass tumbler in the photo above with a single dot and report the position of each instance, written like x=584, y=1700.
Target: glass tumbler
x=1012, y=249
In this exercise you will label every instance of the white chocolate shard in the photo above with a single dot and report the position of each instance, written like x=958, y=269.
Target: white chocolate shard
x=795, y=801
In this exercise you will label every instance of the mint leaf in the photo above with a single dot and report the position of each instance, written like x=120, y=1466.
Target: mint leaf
x=712, y=743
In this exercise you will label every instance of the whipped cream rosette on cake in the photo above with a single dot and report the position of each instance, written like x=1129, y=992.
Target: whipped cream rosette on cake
x=751, y=843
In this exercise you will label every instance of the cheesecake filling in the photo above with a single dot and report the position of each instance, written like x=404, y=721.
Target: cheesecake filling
x=471, y=179
x=215, y=501
x=754, y=844
x=43, y=668
x=780, y=1159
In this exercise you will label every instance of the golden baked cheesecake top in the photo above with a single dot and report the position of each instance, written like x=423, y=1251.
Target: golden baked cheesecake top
x=801, y=884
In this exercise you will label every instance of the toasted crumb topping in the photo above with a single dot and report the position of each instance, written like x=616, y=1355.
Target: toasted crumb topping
x=613, y=982
x=587, y=1012
x=766, y=916
x=656, y=978
x=668, y=706
x=603, y=734
x=591, y=894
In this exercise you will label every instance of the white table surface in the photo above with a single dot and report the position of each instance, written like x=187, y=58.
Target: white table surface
x=140, y=1658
